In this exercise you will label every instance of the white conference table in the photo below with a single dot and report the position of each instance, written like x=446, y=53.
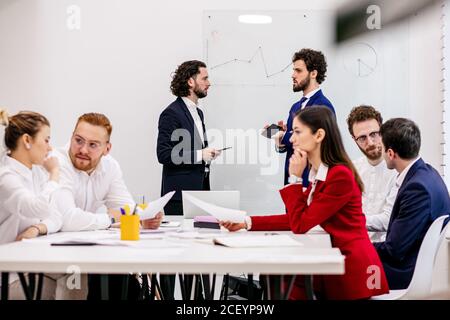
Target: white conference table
x=168, y=253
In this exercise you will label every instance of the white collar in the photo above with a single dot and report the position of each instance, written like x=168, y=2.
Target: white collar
x=309, y=95
x=402, y=175
x=382, y=164
x=189, y=103
x=18, y=167
x=321, y=173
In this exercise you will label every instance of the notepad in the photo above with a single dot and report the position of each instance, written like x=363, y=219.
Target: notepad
x=257, y=241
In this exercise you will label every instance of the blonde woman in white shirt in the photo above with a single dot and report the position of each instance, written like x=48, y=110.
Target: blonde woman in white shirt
x=27, y=178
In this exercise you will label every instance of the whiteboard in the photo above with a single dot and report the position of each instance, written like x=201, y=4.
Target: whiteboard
x=250, y=71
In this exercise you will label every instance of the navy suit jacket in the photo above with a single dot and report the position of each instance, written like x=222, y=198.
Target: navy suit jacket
x=318, y=99
x=422, y=198
x=177, y=146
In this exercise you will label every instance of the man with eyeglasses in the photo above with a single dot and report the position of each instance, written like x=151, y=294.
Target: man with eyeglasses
x=364, y=124
x=91, y=194
x=92, y=179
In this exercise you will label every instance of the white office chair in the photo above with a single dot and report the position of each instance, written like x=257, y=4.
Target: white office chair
x=420, y=285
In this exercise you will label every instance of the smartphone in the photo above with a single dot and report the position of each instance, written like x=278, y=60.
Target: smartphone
x=271, y=130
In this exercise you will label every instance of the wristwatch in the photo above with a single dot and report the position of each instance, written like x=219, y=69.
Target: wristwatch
x=294, y=179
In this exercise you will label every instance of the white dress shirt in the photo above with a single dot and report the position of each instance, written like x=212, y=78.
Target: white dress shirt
x=314, y=176
x=401, y=177
x=84, y=199
x=192, y=107
x=26, y=196
x=280, y=134
x=379, y=193
x=308, y=96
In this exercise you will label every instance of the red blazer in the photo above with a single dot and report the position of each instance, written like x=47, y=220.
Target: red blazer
x=336, y=207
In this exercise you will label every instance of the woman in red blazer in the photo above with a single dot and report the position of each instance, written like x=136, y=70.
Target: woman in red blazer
x=333, y=201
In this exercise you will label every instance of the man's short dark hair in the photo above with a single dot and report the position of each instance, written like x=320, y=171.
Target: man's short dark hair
x=179, y=85
x=314, y=60
x=402, y=136
x=362, y=113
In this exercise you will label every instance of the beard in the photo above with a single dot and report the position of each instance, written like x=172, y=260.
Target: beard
x=82, y=164
x=200, y=93
x=302, y=85
x=373, y=152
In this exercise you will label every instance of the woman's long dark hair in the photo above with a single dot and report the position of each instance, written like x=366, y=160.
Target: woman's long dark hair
x=332, y=151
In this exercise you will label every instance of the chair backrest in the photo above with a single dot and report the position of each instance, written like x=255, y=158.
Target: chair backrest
x=420, y=285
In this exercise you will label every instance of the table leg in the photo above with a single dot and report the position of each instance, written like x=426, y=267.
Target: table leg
x=104, y=287
x=250, y=293
x=309, y=287
x=225, y=286
x=125, y=281
x=290, y=286
x=39, y=286
x=182, y=286
x=207, y=287
x=153, y=287
x=5, y=285
x=25, y=286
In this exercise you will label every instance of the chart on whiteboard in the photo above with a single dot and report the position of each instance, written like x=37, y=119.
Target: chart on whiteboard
x=258, y=55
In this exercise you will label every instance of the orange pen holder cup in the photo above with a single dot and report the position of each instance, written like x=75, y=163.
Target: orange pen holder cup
x=129, y=227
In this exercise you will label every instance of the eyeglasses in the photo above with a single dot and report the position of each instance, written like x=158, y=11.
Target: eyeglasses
x=91, y=145
x=363, y=139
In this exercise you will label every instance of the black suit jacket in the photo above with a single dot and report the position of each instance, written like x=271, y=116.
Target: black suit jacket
x=178, y=143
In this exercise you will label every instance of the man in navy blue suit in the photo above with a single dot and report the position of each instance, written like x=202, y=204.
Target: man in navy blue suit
x=182, y=146
x=421, y=198
x=309, y=71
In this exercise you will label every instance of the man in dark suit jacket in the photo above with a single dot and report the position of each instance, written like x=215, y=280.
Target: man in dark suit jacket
x=309, y=72
x=182, y=146
x=421, y=198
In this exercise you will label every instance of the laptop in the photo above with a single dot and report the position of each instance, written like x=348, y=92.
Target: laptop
x=226, y=199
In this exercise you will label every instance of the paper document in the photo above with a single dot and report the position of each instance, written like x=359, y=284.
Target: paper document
x=220, y=213
x=155, y=206
x=257, y=241
x=86, y=242
x=191, y=235
x=170, y=224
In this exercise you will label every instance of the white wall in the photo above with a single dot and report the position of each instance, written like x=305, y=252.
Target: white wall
x=120, y=62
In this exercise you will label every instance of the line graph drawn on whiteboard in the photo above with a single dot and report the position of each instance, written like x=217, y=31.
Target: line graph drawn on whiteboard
x=240, y=54
x=258, y=53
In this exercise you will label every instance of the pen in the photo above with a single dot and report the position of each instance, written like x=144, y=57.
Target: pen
x=223, y=149
x=135, y=207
